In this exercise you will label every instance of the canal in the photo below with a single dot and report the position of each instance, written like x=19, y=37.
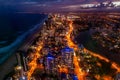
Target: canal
x=85, y=38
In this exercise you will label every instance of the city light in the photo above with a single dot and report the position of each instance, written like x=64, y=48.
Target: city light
x=55, y=55
x=78, y=71
x=33, y=64
x=80, y=74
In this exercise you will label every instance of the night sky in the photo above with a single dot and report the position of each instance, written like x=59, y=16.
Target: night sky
x=44, y=5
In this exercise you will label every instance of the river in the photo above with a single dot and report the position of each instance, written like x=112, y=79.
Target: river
x=84, y=37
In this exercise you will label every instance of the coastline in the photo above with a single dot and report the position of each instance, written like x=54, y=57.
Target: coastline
x=8, y=66
x=11, y=61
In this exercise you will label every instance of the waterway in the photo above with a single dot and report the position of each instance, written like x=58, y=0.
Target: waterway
x=84, y=37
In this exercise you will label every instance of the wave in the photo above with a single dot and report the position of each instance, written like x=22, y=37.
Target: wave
x=5, y=52
x=3, y=42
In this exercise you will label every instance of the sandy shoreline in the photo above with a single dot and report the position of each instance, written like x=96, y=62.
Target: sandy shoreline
x=8, y=66
x=11, y=62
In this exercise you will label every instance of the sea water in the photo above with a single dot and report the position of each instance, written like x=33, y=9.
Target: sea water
x=13, y=31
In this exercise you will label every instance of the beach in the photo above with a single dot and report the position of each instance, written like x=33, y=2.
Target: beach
x=7, y=67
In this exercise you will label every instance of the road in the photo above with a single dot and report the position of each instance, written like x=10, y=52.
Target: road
x=59, y=62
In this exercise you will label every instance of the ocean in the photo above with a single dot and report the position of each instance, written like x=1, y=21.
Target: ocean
x=14, y=28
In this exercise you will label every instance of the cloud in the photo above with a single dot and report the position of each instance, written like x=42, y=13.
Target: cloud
x=49, y=5
x=28, y=3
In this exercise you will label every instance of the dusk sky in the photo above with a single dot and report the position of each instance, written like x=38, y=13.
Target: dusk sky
x=48, y=5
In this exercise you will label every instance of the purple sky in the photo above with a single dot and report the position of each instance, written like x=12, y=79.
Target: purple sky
x=49, y=5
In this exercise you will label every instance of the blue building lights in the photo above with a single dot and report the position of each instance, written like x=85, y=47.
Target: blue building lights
x=50, y=56
x=67, y=50
x=23, y=78
x=75, y=77
x=63, y=75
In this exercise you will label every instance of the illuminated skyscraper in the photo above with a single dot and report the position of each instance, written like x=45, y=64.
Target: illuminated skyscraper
x=49, y=62
x=67, y=54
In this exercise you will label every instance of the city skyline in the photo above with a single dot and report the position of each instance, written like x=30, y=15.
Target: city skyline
x=59, y=39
